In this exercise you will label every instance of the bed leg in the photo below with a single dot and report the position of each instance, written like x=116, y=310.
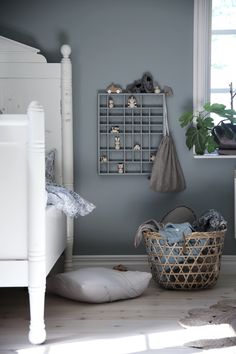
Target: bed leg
x=37, y=333
x=36, y=223
x=68, y=266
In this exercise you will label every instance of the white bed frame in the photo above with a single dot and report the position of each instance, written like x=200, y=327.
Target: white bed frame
x=27, y=250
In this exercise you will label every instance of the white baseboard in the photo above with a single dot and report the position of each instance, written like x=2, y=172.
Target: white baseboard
x=228, y=264
x=132, y=262
x=138, y=262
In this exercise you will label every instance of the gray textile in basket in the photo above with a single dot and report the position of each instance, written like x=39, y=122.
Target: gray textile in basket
x=167, y=174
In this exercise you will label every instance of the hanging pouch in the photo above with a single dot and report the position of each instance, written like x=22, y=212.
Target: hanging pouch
x=167, y=174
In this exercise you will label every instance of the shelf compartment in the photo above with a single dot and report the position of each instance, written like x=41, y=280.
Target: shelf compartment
x=146, y=167
x=134, y=167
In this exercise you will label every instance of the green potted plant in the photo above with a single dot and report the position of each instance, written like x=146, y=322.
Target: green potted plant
x=200, y=127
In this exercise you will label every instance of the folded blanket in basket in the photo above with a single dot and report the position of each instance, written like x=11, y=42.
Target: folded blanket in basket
x=211, y=220
x=173, y=233
x=70, y=202
x=149, y=225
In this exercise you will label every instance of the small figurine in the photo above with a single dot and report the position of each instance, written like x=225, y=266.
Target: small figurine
x=167, y=90
x=117, y=142
x=120, y=167
x=112, y=88
x=110, y=102
x=115, y=130
x=157, y=89
x=137, y=147
x=132, y=102
x=152, y=157
x=103, y=158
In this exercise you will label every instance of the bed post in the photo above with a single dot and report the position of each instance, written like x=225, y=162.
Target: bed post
x=36, y=222
x=67, y=142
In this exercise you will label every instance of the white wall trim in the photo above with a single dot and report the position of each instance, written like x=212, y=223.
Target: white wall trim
x=138, y=262
x=201, y=53
x=132, y=262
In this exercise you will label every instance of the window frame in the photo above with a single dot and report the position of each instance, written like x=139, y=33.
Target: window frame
x=201, y=53
x=202, y=33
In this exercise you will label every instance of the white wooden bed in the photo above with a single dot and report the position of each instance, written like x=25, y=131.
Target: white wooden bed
x=33, y=237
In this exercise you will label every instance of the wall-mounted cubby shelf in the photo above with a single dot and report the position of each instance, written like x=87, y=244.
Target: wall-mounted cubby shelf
x=129, y=132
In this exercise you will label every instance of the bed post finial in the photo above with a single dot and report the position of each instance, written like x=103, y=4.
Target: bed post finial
x=35, y=106
x=65, y=50
x=67, y=138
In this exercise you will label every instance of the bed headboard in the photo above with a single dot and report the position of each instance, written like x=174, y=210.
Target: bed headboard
x=26, y=76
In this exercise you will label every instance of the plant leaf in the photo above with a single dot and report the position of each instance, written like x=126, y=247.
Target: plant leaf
x=217, y=108
x=221, y=110
x=229, y=114
x=208, y=123
x=198, y=138
x=205, y=123
x=190, y=137
x=186, y=119
x=200, y=142
x=199, y=135
x=211, y=144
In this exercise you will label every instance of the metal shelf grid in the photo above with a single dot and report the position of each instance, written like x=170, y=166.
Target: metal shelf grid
x=139, y=130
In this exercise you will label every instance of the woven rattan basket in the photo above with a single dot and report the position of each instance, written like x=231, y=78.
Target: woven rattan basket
x=193, y=264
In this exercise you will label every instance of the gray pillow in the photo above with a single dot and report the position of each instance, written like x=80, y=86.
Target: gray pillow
x=50, y=166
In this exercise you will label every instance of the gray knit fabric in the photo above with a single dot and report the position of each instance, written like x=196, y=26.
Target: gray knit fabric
x=50, y=166
x=210, y=220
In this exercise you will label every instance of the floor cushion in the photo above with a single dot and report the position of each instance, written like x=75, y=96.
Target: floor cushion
x=98, y=284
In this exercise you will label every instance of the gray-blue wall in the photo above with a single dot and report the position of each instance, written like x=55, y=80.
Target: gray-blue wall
x=116, y=41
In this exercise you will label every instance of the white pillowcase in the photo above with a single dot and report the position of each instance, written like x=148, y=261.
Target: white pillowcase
x=97, y=284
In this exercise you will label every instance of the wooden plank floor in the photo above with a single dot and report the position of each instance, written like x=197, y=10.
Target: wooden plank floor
x=148, y=324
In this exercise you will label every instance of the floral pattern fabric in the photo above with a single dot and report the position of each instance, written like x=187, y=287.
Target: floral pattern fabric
x=70, y=202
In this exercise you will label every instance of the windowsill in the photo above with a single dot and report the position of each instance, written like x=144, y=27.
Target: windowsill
x=214, y=155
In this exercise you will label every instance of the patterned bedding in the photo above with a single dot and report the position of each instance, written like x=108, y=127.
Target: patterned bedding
x=70, y=202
